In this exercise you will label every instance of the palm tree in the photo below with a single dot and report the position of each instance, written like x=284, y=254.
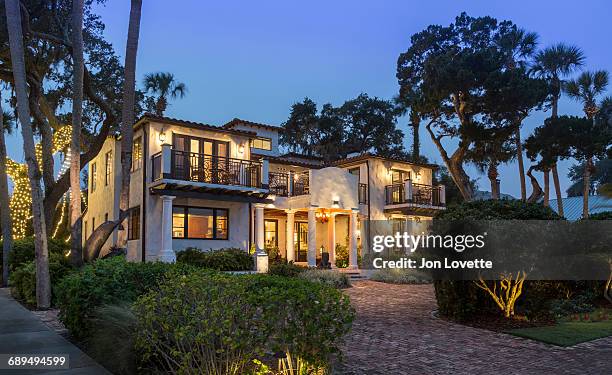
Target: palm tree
x=43, y=284
x=586, y=88
x=75, y=144
x=5, y=215
x=518, y=46
x=127, y=111
x=163, y=85
x=554, y=63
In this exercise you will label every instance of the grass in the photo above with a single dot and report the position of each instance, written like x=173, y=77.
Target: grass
x=566, y=333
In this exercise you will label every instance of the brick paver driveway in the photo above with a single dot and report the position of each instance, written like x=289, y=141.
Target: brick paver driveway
x=395, y=333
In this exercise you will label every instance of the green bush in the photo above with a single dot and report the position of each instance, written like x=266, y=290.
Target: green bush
x=287, y=269
x=218, y=323
x=23, y=279
x=328, y=277
x=400, y=276
x=105, y=282
x=463, y=300
x=498, y=210
x=342, y=256
x=23, y=251
x=231, y=259
x=606, y=215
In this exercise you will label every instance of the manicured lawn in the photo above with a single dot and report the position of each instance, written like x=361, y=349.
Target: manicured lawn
x=566, y=333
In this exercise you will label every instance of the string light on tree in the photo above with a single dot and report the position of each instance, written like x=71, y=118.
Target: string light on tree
x=21, y=200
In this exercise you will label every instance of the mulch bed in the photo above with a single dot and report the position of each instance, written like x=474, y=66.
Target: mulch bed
x=498, y=323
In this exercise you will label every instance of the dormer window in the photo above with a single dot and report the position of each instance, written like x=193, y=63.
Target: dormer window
x=262, y=143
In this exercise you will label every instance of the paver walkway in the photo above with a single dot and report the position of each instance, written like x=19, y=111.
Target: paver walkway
x=21, y=332
x=395, y=333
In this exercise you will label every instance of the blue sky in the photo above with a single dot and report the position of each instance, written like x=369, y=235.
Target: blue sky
x=253, y=59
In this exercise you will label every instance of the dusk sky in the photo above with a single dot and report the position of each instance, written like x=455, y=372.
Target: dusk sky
x=254, y=59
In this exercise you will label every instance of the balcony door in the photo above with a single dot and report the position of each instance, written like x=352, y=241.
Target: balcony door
x=200, y=159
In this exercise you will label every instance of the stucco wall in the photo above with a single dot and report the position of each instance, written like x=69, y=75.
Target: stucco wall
x=262, y=132
x=329, y=184
x=238, y=226
x=105, y=199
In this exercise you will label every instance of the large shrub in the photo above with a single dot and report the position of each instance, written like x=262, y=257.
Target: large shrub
x=230, y=259
x=105, y=282
x=217, y=323
x=498, y=210
x=463, y=300
x=23, y=251
x=23, y=278
x=287, y=269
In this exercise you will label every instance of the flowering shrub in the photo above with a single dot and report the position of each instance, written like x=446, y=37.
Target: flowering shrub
x=218, y=323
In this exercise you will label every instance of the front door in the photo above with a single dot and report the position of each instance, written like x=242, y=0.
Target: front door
x=301, y=241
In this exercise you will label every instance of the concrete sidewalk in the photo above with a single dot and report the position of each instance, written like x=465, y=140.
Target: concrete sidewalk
x=21, y=332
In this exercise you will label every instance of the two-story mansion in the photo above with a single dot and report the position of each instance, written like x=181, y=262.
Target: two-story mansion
x=211, y=187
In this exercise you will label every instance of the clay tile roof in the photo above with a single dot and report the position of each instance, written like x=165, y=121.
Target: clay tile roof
x=236, y=121
x=196, y=125
x=370, y=155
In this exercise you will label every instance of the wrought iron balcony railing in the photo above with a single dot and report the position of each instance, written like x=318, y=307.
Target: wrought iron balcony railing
x=421, y=194
x=289, y=185
x=191, y=166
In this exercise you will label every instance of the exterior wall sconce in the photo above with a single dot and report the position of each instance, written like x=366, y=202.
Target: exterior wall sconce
x=336, y=203
x=162, y=136
x=241, y=148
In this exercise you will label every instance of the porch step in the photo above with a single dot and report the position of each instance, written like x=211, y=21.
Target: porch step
x=354, y=275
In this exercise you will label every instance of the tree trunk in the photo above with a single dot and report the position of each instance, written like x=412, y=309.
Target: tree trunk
x=586, y=188
x=415, y=123
x=555, y=171
x=493, y=174
x=455, y=165
x=521, y=165
x=5, y=214
x=43, y=285
x=536, y=189
x=127, y=113
x=546, y=187
x=555, y=174
x=76, y=254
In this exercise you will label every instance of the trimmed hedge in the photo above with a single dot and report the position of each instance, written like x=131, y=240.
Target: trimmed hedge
x=220, y=323
x=287, y=269
x=106, y=282
x=230, y=259
x=498, y=210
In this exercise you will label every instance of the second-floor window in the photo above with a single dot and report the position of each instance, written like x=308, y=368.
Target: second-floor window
x=137, y=154
x=398, y=176
x=262, y=143
x=94, y=176
x=108, y=167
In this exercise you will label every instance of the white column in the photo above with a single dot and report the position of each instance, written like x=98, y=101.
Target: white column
x=265, y=173
x=312, y=237
x=261, y=257
x=167, y=253
x=259, y=228
x=353, y=240
x=289, y=250
x=442, y=195
x=331, y=239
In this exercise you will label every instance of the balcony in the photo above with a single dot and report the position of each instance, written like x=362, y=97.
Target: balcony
x=207, y=169
x=289, y=184
x=414, y=194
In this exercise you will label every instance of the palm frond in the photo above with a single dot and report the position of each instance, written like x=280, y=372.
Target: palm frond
x=600, y=81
